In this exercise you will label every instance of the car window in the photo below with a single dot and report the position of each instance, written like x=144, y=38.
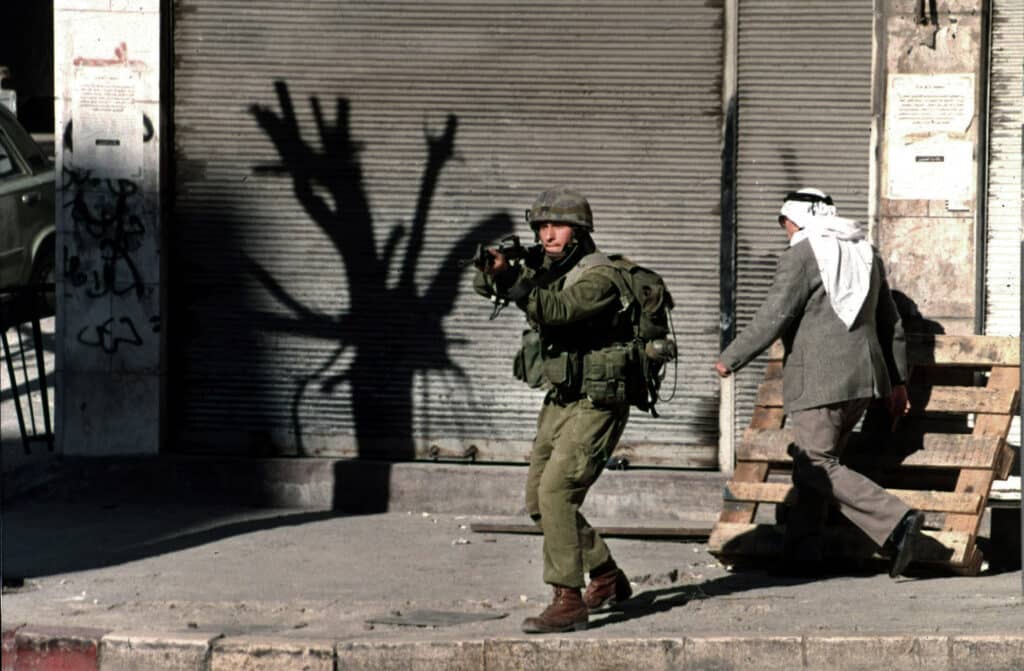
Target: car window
x=16, y=136
x=8, y=167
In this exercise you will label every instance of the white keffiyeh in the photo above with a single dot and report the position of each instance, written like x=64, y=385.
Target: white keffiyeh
x=843, y=254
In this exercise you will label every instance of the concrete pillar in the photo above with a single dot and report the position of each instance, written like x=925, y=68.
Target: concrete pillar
x=109, y=358
x=930, y=103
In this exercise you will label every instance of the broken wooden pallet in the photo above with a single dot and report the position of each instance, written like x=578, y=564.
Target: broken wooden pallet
x=941, y=459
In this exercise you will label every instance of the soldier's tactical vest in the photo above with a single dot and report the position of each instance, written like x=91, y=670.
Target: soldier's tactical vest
x=608, y=358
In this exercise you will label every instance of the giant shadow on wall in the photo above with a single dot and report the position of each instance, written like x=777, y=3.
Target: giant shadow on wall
x=382, y=371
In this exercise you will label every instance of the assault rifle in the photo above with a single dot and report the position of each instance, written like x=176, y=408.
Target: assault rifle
x=514, y=252
x=511, y=249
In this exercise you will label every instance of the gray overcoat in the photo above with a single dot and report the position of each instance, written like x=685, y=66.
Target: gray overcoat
x=825, y=362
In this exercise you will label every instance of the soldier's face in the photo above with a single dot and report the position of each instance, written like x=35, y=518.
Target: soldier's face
x=555, y=237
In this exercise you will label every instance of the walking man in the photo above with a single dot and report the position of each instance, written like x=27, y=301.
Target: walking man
x=844, y=345
x=573, y=299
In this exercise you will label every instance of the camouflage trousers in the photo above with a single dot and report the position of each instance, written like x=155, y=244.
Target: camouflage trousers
x=573, y=443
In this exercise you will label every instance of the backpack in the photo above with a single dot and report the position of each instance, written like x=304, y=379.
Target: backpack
x=649, y=311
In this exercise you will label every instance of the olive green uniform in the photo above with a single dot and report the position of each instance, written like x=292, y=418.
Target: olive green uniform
x=572, y=349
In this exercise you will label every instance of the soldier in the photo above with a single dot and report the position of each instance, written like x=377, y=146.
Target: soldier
x=831, y=305
x=573, y=297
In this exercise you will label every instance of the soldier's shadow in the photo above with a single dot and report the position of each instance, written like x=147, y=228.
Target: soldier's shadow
x=654, y=601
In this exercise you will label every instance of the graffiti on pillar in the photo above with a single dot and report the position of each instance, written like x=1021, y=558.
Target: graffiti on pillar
x=109, y=240
x=111, y=334
x=108, y=224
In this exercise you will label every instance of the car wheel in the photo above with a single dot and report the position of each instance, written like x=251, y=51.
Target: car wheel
x=44, y=272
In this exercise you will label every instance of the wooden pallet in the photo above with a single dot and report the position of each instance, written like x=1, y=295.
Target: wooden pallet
x=941, y=459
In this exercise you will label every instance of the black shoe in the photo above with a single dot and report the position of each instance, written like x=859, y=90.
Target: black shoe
x=904, y=541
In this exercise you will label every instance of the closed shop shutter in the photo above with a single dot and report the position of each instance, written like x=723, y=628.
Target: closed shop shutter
x=319, y=315
x=1003, y=221
x=804, y=90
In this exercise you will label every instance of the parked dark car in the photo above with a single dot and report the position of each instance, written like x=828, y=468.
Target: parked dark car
x=27, y=224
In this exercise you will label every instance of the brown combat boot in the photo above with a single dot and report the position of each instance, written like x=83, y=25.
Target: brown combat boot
x=567, y=612
x=606, y=590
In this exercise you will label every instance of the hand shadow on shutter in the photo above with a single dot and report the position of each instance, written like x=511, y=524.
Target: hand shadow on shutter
x=392, y=329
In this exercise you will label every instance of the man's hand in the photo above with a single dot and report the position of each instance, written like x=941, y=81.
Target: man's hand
x=722, y=369
x=898, y=403
x=498, y=264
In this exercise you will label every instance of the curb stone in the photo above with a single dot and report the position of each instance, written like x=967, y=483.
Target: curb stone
x=271, y=654
x=728, y=653
x=9, y=649
x=28, y=648
x=569, y=654
x=413, y=655
x=171, y=651
x=986, y=653
x=56, y=648
x=869, y=653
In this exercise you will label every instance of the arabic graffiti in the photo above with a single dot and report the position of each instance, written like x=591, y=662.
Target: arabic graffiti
x=110, y=335
x=103, y=255
x=109, y=225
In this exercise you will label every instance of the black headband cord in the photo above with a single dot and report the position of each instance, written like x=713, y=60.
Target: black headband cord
x=808, y=198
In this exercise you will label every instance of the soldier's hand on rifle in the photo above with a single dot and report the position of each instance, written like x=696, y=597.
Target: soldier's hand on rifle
x=722, y=370
x=498, y=263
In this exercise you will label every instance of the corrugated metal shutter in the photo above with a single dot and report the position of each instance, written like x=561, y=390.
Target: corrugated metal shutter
x=804, y=90
x=292, y=344
x=1003, y=221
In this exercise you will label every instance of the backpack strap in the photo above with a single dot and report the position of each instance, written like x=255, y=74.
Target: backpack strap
x=598, y=260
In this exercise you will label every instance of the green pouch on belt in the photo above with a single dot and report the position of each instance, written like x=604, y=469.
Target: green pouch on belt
x=556, y=369
x=527, y=365
x=604, y=375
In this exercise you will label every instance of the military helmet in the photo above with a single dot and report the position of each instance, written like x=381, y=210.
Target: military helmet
x=563, y=206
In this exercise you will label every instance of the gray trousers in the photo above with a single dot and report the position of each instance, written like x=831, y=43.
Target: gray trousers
x=821, y=435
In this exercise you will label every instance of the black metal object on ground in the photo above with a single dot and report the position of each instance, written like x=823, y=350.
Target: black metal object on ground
x=695, y=531
x=20, y=306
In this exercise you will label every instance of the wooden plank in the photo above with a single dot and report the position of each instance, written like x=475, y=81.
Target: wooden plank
x=980, y=400
x=763, y=418
x=773, y=371
x=971, y=565
x=767, y=418
x=971, y=481
x=932, y=501
x=765, y=540
x=925, y=450
x=733, y=512
x=698, y=532
x=1004, y=467
x=769, y=394
x=947, y=350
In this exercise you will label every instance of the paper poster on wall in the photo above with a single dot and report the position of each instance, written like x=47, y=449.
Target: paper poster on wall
x=930, y=149
x=107, y=127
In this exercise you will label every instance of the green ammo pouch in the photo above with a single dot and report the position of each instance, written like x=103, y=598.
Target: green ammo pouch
x=605, y=373
x=528, y=365
x=557, y=370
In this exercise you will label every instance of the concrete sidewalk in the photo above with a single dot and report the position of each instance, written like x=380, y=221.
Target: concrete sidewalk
x=118, y=585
